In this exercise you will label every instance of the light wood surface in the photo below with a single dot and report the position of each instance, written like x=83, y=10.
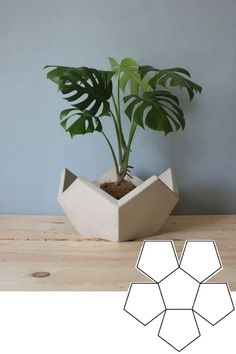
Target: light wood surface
x=46, y=253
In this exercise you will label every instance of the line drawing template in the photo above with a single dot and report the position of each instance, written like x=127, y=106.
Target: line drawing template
x=179, y=291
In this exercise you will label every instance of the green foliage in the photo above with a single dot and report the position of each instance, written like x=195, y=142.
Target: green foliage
x=90, y=93
x=159, y=110
x=88, y=90
x=128, y=70
x=171, y=77
x=84, y=122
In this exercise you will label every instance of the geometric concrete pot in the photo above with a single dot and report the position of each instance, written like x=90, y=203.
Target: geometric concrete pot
x=95, y=213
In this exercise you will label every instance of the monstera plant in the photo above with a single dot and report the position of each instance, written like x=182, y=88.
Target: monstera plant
x=140, y=93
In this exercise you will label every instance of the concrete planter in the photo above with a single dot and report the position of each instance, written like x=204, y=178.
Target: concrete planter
x=95, y=213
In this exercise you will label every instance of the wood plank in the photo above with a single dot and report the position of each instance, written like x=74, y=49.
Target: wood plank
x=30, y=244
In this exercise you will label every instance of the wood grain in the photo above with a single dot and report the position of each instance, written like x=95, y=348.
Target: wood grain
x=38, y=244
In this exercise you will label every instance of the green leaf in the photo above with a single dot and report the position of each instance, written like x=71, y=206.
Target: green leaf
x=170, y=77
x=56, y=73
x=64, y=116
x=130, y=74
x=181, y=70
x=83, y=124
x=87, y=88
x=65, y=113
x=114, y=65
x=128, y=70
x=130, y=108
x=158, y=110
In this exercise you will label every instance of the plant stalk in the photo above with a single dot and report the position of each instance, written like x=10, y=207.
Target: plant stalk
x=118, y=137
x=113, y=153
x=118, y=119
x=125, y=161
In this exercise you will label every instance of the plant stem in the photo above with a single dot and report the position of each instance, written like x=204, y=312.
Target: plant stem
x=122, y=167
x=123, y=148
x=118, y=100
x=118, y=137
x=118, y=109
x=118, y=119
x=113, y=154
x=125, y=161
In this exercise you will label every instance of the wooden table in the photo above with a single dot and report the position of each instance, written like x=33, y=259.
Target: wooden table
x=63, y=260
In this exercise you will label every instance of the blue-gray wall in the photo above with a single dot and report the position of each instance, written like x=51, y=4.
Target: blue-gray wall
x=197, y=34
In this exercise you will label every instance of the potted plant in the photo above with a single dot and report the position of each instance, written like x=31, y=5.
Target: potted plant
x=119, y=206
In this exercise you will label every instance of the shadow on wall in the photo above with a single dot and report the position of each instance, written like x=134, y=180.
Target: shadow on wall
x=205, y=199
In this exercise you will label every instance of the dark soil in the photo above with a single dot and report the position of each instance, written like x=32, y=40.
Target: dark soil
x=117, y=190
